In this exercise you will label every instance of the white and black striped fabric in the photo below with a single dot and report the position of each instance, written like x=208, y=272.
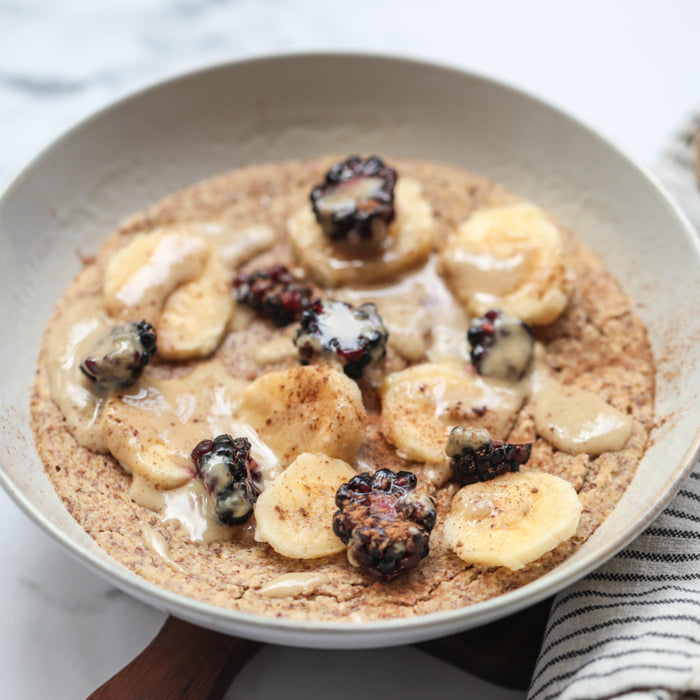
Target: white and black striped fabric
x=631, y=630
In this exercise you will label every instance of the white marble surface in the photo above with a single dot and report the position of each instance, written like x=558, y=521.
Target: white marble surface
x=630, y=69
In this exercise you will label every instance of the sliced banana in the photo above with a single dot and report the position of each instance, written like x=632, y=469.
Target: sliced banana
x=152, y=428
x=294, y=514
x=237, y=245
x=421, y=405
x=313, y=408
x=512, y=519
x=410, y=241
x=197, y=313
x=180, y=283
x=509, y=257
x=140, y=276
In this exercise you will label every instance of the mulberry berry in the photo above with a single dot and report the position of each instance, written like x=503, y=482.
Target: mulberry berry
x=476, y=457
x=117, y=359
x=224, y=465
x=384, y=523
x=274, y=293
x=501, y=345
x=355, y=203
x=335, y=331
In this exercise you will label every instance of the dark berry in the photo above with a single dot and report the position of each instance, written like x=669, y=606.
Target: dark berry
x=384, y=523
x=224, y=465
x=501, y=345
x=355, y=203
x=335, y=331
x=117, y=359
x=274, y=293
x=476, y=457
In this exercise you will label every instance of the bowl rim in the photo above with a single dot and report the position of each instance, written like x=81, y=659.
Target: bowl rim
x=350, y=634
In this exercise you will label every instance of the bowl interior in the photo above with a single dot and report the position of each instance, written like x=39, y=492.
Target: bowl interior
x=178, y=132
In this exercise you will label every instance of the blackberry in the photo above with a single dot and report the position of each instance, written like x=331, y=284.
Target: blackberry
x=117, y=360
x=355, y=203
x=501, y=345
x=224, y=465
x=476, y=457
x=385, y=525
x=335, y=331
x=274, y=293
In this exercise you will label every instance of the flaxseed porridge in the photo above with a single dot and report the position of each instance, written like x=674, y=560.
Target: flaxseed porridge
x=335, y=318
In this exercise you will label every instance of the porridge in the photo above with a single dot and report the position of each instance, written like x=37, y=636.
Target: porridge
x=342, y=390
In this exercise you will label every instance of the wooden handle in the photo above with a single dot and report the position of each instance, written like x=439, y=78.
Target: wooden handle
x=183, y=661
x=503, y=652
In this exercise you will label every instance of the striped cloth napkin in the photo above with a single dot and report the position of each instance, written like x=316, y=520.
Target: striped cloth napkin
x=631, y=629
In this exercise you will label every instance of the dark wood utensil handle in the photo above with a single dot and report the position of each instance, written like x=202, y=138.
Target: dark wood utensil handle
x=186, y=661
x=183, y=661
x=503, y=652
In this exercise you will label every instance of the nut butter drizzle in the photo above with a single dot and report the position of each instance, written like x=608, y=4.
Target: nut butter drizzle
x=69, y=339
x=158, y=546
x=422, y=316
x=188, y=505
x=573, y=420
x=576, y=421
x=294, y=584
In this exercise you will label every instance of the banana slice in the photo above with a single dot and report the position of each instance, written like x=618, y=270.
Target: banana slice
x=512, y=519
x=294, y=514
x=140, y=276
x=421, y=405
x=237, y=245
x=508, y=257
x=196, y=314
x=411, y=238
x=306, y=409
x=180, y=283
x=172, y=416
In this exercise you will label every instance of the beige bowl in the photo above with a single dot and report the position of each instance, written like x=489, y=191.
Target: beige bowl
x=191, y=127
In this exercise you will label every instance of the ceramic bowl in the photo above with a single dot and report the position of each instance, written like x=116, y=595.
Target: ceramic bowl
x=282, y=107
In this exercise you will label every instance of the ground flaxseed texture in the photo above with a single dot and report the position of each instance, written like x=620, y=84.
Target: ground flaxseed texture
x=597, y=344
